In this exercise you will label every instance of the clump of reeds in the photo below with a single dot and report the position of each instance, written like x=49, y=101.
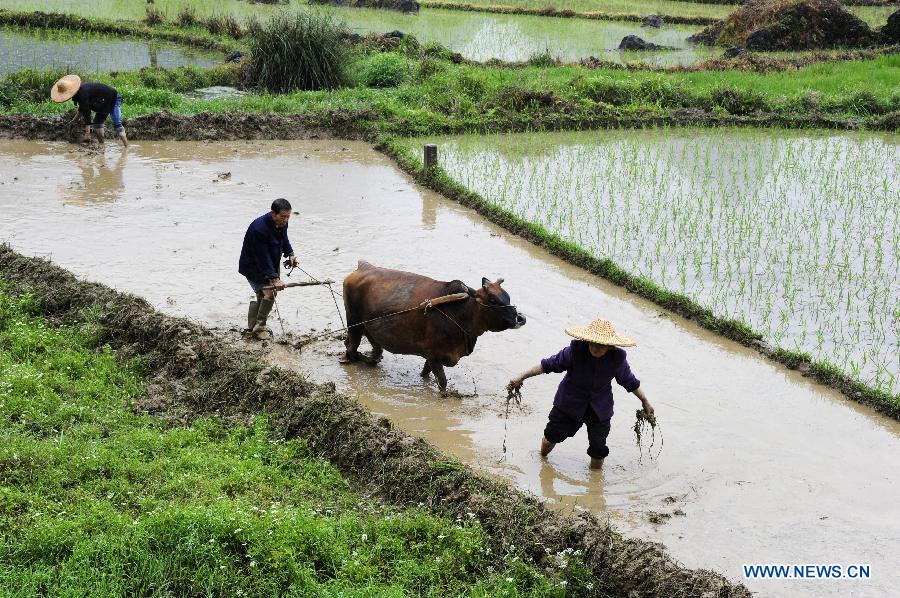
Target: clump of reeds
x=298, y=51
x=384, y=69
x=154, y=16
x=222, y=24
x=543, y=58
x=187, y=17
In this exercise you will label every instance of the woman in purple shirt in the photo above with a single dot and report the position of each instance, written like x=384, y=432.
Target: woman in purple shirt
x=584, y=396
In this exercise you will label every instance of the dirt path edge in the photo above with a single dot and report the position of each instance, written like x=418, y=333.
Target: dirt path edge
x=194, y=373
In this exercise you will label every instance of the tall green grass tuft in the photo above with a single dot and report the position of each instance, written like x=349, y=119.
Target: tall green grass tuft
x=187, y=17
x=154, y=17
x=298, y=51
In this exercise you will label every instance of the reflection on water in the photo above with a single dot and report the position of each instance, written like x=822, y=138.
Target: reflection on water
x=101, y=178
x=21, y=49
x=766, y=466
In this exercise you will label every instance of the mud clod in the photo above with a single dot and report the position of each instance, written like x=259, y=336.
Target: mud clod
x=790, y=25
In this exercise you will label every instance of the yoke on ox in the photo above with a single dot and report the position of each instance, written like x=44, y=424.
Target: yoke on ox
x=442, y=334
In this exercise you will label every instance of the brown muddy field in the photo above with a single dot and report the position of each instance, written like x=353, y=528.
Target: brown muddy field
x=765, y=466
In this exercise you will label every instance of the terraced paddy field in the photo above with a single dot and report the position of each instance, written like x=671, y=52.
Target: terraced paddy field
x=62, y=50
x=874, y=15
x=746, y=462
x=478, y=36
x=794, y=233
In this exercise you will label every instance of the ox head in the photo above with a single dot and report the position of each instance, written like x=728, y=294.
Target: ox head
x=495, y=311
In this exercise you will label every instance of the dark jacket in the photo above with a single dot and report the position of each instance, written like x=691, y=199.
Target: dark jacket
x=99, y=97
x=264, y=244
x=588, y=380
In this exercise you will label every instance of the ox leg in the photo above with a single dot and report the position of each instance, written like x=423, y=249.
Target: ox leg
x=426, y=369
x=354, y=337
x=377, y=352
x=438, y=370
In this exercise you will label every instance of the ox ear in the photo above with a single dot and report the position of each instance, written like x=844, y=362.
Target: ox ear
x=485, y=282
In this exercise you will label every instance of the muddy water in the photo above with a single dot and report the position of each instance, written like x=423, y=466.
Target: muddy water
x=766, y=467
x=22, y=49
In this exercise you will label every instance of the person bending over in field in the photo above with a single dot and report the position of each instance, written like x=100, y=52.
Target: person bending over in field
x=99, y=98
x=584, y=396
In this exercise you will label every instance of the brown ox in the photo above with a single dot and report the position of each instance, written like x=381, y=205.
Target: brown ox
x=442, y=335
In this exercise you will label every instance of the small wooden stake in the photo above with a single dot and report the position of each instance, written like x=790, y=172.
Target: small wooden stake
x=430, y=155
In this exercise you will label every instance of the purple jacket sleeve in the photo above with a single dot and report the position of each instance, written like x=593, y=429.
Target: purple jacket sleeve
x=561, y=362
x=625, y=378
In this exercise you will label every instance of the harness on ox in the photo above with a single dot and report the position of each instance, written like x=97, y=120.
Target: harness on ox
x=426, y=305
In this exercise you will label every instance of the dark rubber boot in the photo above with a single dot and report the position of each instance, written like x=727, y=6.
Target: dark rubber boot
x=251, y=314
x=260, y=331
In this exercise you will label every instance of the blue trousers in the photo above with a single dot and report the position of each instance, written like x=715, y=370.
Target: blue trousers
x=100, y=117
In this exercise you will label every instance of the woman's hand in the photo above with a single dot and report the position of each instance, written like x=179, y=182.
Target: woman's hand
x=648, y=408
x=515, y=384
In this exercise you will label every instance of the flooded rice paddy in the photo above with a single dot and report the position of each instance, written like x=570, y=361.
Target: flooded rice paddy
x=129, y=9
x=764, y=465
x=477, y=36
x=874, y=15
x=53, y=49
x=795, y=233
x=482, y=36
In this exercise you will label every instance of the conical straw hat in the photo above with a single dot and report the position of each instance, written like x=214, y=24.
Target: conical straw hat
x=65, y=88
x=601, y=332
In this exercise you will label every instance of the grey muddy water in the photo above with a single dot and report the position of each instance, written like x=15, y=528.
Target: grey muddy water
x=765, y=466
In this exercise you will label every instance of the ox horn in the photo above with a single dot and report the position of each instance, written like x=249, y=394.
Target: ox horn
x=499, y=281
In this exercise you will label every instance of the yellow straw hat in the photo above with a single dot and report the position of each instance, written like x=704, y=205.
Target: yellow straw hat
x=601, y=332
x=65, y=88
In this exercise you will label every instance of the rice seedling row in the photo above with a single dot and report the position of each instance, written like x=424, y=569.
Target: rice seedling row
x=795, y=234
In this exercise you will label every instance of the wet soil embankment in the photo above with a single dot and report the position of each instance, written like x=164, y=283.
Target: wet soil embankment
x=367, y=124
x=194, y=373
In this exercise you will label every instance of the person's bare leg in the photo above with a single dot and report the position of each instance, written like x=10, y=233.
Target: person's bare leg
x=546, y=446
x=596, y=463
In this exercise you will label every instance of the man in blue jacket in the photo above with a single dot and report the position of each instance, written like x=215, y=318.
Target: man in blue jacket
x=265, y=242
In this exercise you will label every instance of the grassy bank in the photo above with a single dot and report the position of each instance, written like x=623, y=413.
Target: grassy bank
x=427, y=95
x=100, y=500
x=822, y=371
x=192, y=373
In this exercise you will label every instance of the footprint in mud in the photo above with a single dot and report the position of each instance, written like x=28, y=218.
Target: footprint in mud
x=658, y=518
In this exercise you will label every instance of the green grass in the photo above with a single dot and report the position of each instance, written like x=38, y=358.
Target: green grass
x=439, y=96
x=98, y=500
